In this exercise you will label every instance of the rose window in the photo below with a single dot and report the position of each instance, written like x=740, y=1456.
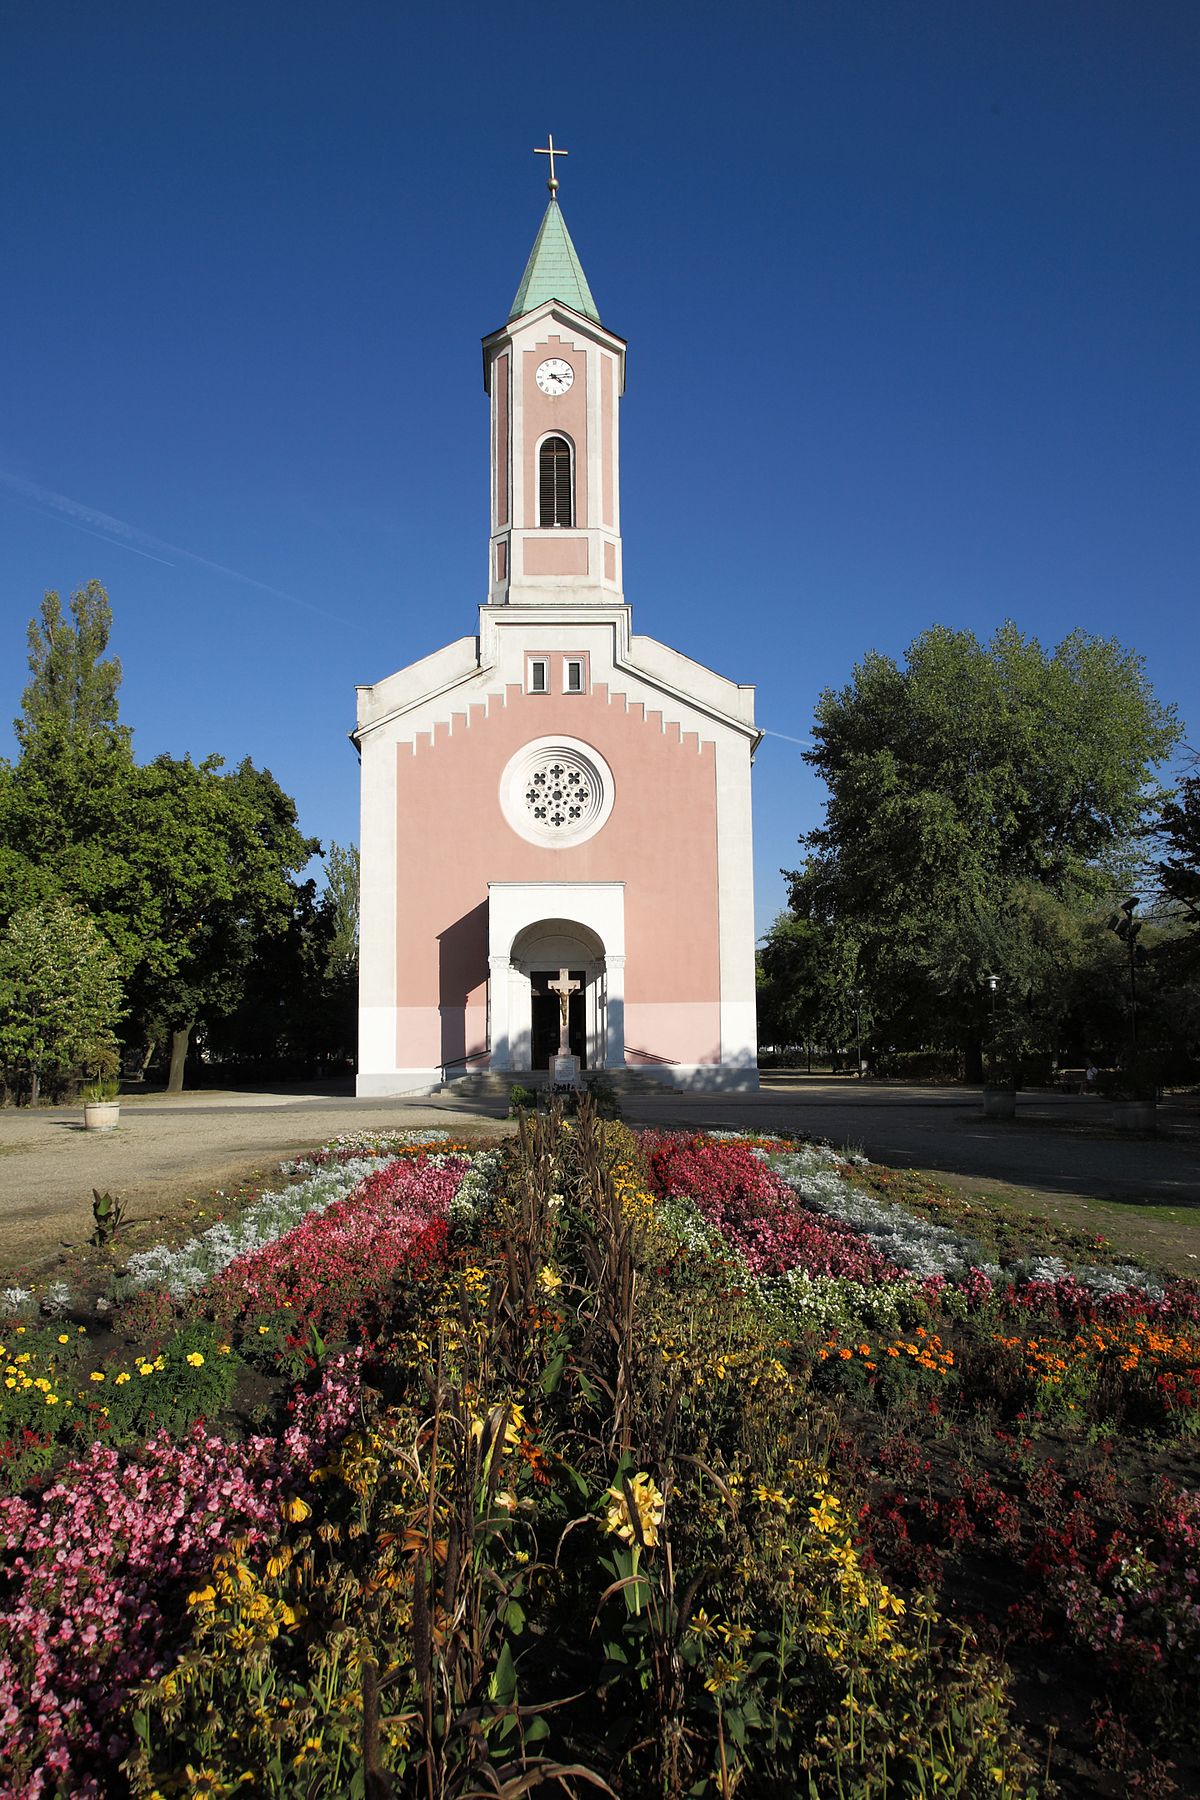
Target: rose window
x=558, y=796
x=556, y=791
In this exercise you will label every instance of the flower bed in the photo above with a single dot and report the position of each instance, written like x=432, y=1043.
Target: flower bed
x=680, y=1461
x=96, y=1567
x=338, y=1266
x=757, y=1213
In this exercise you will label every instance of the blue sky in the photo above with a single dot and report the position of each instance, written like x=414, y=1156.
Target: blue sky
x=911, y=293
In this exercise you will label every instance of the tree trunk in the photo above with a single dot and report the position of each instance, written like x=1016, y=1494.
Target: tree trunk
x=973, y=1061
x=35, y=1087
x=179, y=1050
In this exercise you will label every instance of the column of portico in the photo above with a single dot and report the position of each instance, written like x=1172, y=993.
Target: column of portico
x=614, y=968
x=499, y=970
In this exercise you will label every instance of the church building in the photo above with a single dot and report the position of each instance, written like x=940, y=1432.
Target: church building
x=555, y=837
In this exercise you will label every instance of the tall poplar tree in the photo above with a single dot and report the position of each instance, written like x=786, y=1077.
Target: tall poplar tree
x=72, y=689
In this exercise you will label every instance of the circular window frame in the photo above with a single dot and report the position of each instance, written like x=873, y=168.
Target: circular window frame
x=518, y=772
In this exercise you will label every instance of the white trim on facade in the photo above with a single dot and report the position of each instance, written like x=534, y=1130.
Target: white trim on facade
x=595, y=908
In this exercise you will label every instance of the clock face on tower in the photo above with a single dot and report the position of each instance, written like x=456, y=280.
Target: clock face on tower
x=554, y=376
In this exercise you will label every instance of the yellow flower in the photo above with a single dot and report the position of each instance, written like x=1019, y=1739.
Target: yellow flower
x=202, y=1596
x=122, y=1378
x=648, y=1508
x=51, y=1399
x=549, y=1281
x=145, y=1368
x=295, y=1509
x=96, y=1375
x=195, y=1358
x=824, y=1514
x=63, y=1338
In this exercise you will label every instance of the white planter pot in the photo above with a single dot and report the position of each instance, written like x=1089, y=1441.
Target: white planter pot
x=101, y=1115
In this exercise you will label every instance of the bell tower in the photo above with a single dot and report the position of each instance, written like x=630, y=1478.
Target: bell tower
x=554, y=377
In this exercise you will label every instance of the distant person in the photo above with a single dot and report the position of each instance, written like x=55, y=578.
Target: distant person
x=1089, y=1079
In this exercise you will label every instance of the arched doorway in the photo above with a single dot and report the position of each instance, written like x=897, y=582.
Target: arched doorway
x=536, y=929
x=546, y=954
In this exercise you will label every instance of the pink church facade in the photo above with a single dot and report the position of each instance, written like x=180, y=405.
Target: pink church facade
x=555, y=793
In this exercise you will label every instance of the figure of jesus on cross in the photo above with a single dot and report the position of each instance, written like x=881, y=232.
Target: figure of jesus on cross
x=564, y=987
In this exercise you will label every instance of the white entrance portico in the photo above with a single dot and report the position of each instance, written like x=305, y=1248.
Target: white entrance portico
x=548, y=926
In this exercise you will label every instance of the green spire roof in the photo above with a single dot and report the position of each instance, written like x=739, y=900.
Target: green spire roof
x=553, y=271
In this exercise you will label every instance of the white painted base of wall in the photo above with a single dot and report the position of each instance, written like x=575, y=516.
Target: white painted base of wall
x=397, y=1081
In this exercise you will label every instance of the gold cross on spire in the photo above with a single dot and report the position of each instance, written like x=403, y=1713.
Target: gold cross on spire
x=551, y=152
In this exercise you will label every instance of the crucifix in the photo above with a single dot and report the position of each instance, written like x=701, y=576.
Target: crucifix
x=564, y=987
x=551, y=152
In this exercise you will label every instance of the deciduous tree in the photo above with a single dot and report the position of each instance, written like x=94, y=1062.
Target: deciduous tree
x=961, y=784
x=73, y=686
x=185, y=866
x=60, y=995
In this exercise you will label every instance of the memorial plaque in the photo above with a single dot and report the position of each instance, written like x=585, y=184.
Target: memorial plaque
x=564, y=1071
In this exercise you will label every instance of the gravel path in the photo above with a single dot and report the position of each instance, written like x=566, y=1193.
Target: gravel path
x=1057, y=1158
x=168, y=1150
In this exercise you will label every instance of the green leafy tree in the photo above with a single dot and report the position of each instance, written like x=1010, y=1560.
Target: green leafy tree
x=1175, y=958
x=208, y=862
x=340, y=903
x=60, y=996
x=808, y=977
x=961, y=784
x=73, y=686
x=1179, y=871
x=186, y=867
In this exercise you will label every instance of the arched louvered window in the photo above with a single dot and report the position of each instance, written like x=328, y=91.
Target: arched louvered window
x=556, y=498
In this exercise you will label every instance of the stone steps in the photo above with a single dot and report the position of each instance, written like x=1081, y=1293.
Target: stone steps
x=497, y=1085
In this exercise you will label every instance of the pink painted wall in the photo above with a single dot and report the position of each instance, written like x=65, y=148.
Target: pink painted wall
x=559, y=413
x=661, y=840
x=556, y=555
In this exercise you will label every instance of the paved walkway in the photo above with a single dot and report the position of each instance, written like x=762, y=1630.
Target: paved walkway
x=169, y=1149
x=1057, y=1144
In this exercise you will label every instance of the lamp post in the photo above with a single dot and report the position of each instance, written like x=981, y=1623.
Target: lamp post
x=999, y=1101
x=991, y=983
x=856, y=999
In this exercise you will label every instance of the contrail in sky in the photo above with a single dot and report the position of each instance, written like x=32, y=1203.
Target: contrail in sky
x=143, y=543
x=804, y=743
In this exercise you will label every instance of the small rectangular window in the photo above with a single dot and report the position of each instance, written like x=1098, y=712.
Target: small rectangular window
x=537, y=675
x=574, y=678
